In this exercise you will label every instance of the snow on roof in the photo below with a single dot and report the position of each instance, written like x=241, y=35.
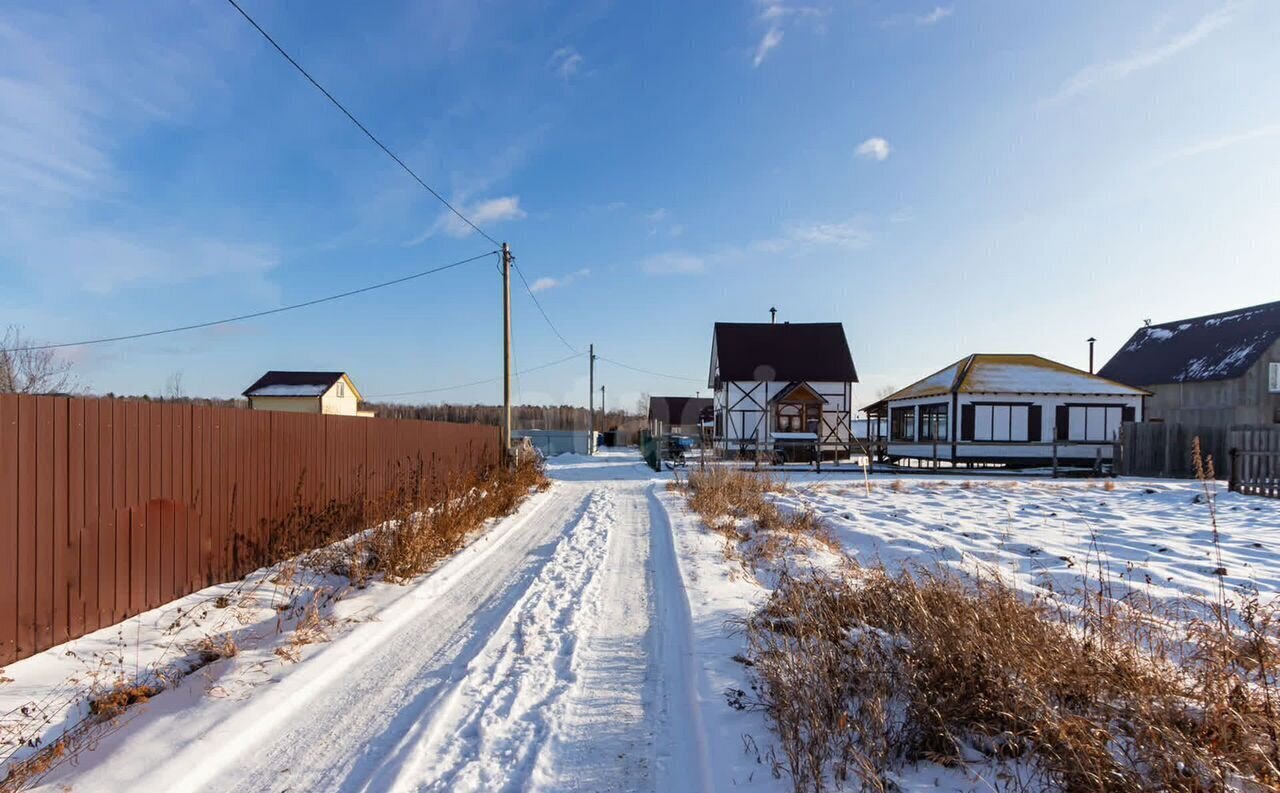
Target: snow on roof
x=985, y=373
x=1216, y=347
x=279, y=383
x=289, y=391
x=937, y=383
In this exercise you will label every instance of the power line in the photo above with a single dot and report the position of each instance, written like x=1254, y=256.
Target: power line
x=647, y=371
x=477, y=382
x=542, y=311
x=356, y=121
x=255, y=314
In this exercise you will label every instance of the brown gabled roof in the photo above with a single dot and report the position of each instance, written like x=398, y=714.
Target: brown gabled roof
x=791, y=351
x=1214, y=347
x=677, y=410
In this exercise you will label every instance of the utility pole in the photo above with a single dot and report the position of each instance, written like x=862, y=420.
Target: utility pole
x=591, y=402
x=506, y=348
x=604, y=414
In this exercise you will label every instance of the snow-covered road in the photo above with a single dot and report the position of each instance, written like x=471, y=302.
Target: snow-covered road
x=550, y=655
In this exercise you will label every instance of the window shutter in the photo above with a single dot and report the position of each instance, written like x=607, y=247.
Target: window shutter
x=1034, y=420
x=1128, y=414
x=1061, y=418
x=966, y=422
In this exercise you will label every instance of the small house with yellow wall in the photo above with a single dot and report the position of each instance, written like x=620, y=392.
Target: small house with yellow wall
x=331, y=393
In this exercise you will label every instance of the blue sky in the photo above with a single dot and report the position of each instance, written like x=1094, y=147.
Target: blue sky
x=942, y=178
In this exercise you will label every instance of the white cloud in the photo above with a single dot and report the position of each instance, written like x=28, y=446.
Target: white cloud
x=566, y=62
x=546, y=282
x=772, y=38
x=775, y=13
x=1099, y=73
x=850, y=234
x=874, y=149
x=1227, y=141
x=656, y=216
x=492, y=211
x=673, y=263
x=72, y=108
x=935, y=16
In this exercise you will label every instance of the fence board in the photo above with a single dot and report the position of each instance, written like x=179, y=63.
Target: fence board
x=112, y=507
x=8, y=529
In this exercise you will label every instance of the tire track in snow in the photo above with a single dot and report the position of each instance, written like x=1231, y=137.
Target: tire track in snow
x=487, y=732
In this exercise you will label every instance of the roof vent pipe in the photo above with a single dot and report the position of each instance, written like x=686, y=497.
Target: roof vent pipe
x=773, y=316
x=1091, y=341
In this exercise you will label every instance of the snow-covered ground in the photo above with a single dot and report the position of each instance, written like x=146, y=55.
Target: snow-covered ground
x=588, y=642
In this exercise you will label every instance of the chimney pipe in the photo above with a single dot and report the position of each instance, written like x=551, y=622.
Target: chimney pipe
x=1091, y=341
x=773, y=316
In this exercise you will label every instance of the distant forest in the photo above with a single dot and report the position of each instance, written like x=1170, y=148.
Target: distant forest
x=523, y=417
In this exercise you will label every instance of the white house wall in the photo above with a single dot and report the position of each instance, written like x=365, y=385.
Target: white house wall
x=1013, y=449
x=745, y=409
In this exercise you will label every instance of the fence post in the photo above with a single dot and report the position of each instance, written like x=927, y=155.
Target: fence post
x=1233, y=480
x=1055, y=452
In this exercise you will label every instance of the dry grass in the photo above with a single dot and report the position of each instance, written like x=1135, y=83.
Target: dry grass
x=863, y=671
x=417, y=523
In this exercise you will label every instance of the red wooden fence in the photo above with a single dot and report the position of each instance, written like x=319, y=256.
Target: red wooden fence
x=112, y=507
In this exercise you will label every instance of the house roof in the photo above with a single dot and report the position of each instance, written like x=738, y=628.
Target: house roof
x=985, y=373
x=1215, y=347
x=296, y=384
x=791, y=351
x=677, y=409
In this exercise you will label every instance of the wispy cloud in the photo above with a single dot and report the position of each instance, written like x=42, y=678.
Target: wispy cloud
x=546, y=282
x=874, y=149
x=1226, y=141
x=850, y=234
x=774, y=14
x=935, y=16
x=488, y=212
x=771, y=39
x=566, y=62
x=794, y=239
x=71, y=109
x=929, y=19
x=673, y=263
x=1099, y=73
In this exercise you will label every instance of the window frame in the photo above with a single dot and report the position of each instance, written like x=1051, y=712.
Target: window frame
x=898, y=419
x=933, y=422
x=342, y=390
x=1273, y=377
x=1013, y=411
x=1094, y=406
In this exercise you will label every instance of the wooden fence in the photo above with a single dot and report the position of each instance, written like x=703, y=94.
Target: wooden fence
x=1255, y=461
x=1164, y=449
x=112, y=507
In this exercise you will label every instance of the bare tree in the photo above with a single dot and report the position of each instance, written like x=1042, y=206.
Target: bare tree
x=25, y=370
x=642, y=405
x=885, y=391
x=173, y=386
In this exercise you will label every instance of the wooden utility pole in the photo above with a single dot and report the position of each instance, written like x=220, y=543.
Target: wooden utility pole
x=604, y=414
x=506, y=348
x=591, y=402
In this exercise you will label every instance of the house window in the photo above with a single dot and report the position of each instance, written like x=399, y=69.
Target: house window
x=342, y=389
x=1273, y=377
x=1094, y=422
x=933, y=422
x=1000, y=423
x=902, y=424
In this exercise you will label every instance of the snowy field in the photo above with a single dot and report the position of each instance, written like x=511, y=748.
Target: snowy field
x=588, y=642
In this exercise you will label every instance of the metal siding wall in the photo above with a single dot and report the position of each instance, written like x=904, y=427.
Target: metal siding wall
x=109, y=508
